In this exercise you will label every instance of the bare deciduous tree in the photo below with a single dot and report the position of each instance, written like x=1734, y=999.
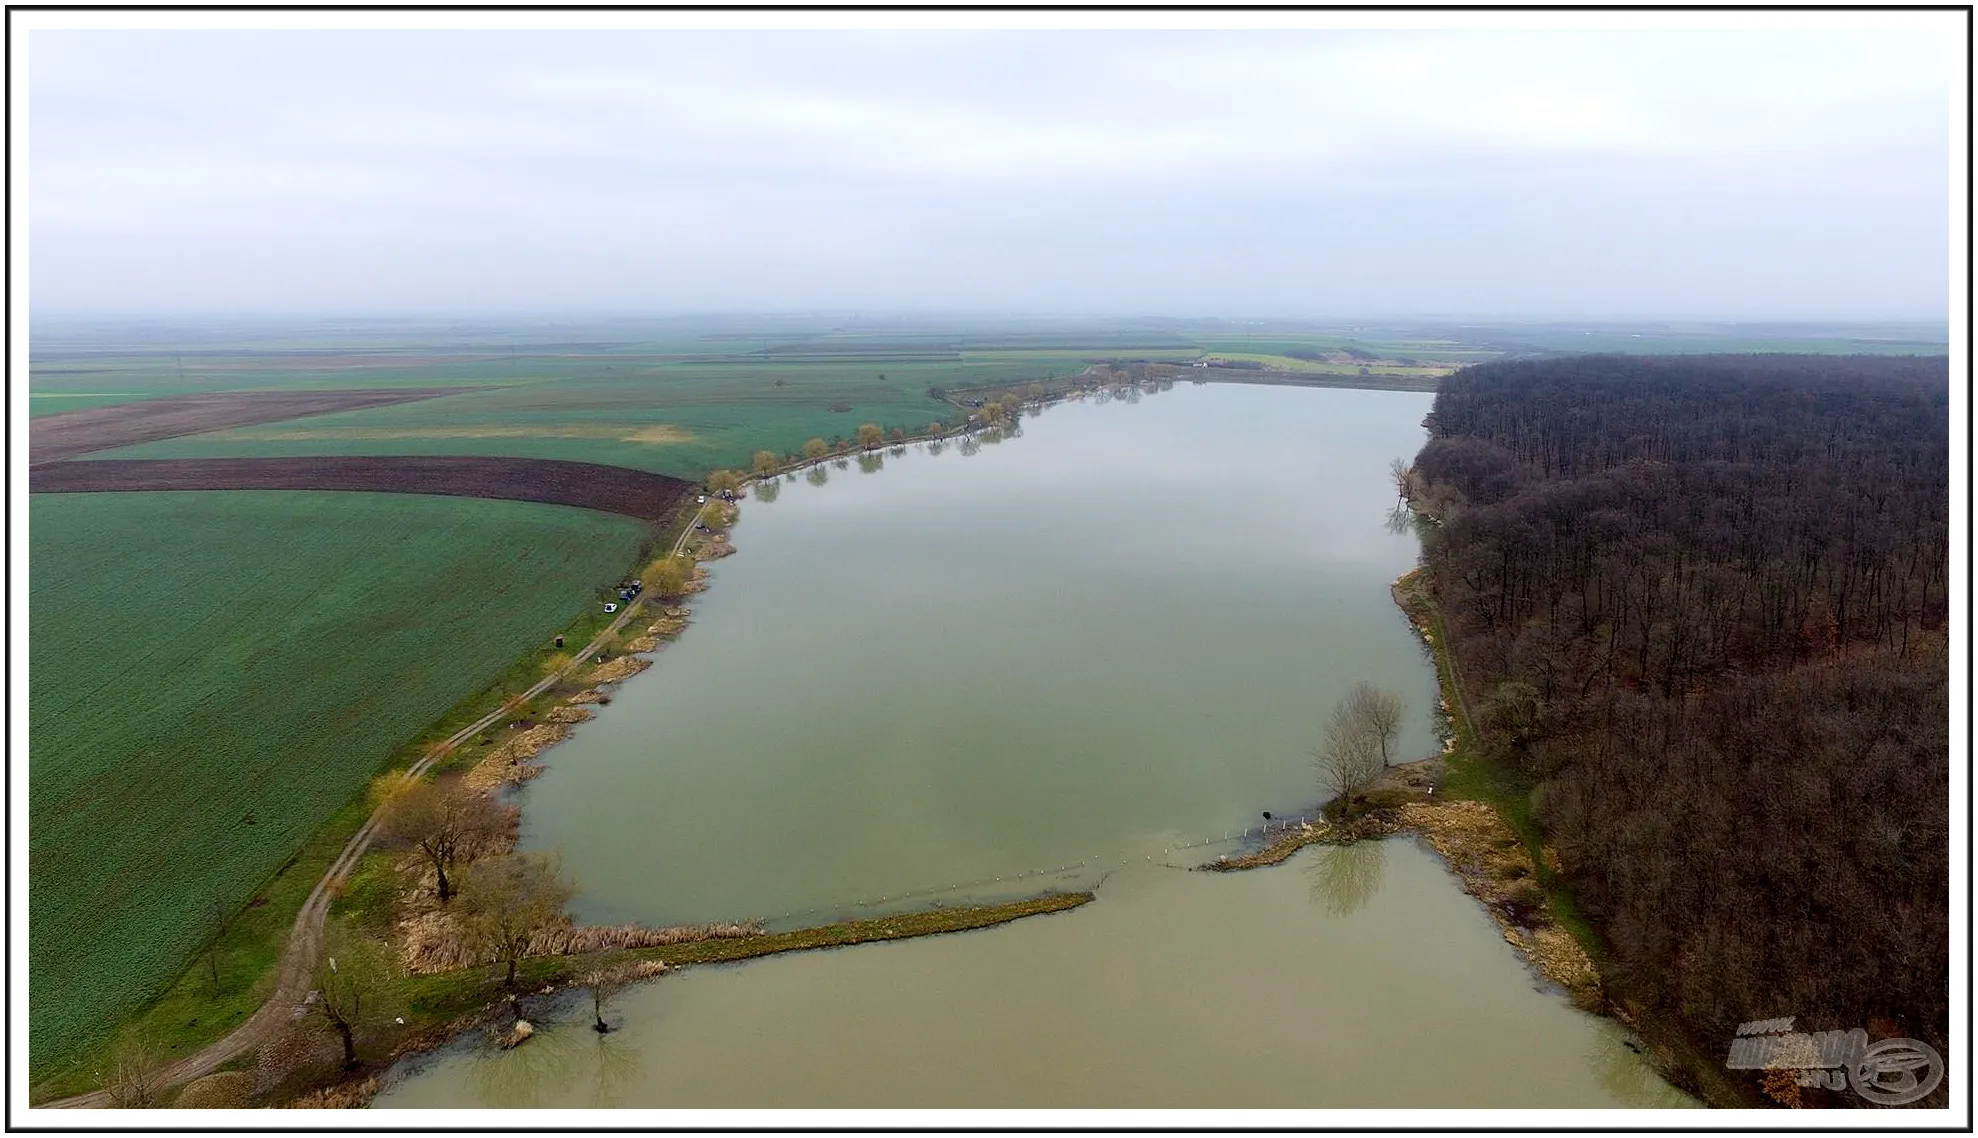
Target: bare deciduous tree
x=505, y=901
x=604, y=983
x=444, y=824
x=1357, y=739
x=136, y=1080
x=352, y=981
x=1379, y=712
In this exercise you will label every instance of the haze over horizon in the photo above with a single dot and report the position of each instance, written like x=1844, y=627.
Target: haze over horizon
x=1730, y=176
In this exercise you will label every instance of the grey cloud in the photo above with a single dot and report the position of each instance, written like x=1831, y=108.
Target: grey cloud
x=1288, y=173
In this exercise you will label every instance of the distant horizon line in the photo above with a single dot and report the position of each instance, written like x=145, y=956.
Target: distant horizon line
x=925, y=314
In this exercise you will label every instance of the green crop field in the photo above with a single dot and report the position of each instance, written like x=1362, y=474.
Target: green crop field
x=212, y=675
x=678, y=418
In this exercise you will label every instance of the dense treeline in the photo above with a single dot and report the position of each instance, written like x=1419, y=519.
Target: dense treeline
x=1700, y=603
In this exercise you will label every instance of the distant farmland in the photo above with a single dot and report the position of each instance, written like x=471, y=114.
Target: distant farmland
x=213, y=674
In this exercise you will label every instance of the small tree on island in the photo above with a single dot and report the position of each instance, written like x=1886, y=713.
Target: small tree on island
x=1358, y=737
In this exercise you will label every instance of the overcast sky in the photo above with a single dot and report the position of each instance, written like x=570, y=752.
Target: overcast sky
x=1726, y=175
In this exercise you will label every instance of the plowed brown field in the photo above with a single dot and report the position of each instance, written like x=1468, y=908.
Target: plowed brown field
x=613, y=489
x=53, y=438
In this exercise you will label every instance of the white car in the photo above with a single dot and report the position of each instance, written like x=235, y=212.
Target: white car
x=611, y=606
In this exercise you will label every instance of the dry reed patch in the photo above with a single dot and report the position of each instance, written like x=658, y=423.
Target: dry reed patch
x=509, y=762
x=430, y=939
x=623, y=667
x=343, y=1096
x=642, y=644
x=588, y=695
x=713, y=548
x=570, y=713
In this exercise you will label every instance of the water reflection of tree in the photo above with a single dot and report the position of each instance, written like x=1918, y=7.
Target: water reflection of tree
x=817, y=475
x=531, y=1074
x=768, y=489
x=616, y=1066
x=1400, y=519
x=936, y=447
x=1625, y=1072
x=560, y=1066
x=1344, y=878
x=969, y=446
x=871, y=462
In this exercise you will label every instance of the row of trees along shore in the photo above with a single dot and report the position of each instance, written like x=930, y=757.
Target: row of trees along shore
x=1700, y=605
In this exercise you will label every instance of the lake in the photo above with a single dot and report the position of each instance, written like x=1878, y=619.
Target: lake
x=1074, y=657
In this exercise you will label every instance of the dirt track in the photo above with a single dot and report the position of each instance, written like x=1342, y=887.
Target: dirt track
x=52, y=438
x=613, y=489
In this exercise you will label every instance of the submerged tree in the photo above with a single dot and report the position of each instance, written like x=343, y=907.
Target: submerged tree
x=604, y=983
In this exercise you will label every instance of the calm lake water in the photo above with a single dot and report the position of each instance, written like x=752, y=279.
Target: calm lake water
x=1042, y=662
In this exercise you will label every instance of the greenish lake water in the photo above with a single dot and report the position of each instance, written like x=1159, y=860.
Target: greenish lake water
x=1041, y=662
